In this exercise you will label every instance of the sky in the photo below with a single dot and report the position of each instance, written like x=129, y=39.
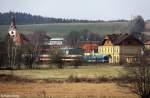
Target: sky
x=80, y=9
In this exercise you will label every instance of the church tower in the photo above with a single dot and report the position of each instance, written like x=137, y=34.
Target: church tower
x=14, y=34
x=13, y=29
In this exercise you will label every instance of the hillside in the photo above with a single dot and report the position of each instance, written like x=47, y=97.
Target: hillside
x=60, y=29
x=25, y=18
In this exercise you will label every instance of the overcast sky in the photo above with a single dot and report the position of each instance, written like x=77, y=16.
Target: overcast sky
x=80, y=9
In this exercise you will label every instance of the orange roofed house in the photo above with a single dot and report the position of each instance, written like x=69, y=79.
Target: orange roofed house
x=89, y=46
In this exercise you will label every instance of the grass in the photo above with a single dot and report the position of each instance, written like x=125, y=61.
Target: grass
x=60, y=29
x=66, y=90
x=82, y=71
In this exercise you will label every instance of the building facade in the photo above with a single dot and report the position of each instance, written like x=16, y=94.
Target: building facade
x=55, y=44
x=121, y=48
x=147, y=48
x=71, y=54
x=147, y=45
x=50, y=47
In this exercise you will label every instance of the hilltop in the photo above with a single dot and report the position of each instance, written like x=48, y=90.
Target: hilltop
x=26, y=18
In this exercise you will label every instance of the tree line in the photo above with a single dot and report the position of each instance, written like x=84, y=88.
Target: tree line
x=25, y=18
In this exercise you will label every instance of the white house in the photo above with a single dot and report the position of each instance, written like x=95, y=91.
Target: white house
x=56, y=41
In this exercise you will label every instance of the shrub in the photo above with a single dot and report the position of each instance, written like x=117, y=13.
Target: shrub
x=72, y=78
x=57, y=59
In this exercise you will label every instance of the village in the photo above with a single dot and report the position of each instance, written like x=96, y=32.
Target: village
x=122, y=48
x=74, y=49
x=40, y=58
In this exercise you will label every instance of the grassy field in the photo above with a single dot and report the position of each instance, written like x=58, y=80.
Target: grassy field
x=82, y=71
x=60, y=29
x=66, y=90
x=41, y=89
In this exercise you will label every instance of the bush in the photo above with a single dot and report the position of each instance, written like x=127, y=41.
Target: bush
x=72, y=78
x=57, y=59
x=77, y=63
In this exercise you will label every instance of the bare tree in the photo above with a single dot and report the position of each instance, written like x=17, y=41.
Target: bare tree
x=73, y=38
x=58, y=60
x=11, y=51
x=137, y=25
x=37, y=39
x=3, y=54
x=76, y=63
x=141, y=78
x=87, y=35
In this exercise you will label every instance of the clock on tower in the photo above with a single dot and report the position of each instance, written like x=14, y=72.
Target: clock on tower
x=12, y=30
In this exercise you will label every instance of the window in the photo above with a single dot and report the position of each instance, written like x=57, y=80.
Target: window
x=117, y=58
x=117, y=50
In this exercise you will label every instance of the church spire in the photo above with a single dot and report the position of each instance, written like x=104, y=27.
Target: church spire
x=12, y=29
x=13, y=23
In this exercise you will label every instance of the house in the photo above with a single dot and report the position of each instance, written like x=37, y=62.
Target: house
x=55, y=44
x=44, y=49
x=56, y=41
x=41, y=49
x=49, y=47
x=89, y=46
x=71, y=54
x=147, y=45
x=71, y=51
x=121, y=48
x=147, y=48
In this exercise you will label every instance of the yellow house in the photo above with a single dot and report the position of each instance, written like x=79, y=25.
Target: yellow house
x=147, y=45
x=121, y=48
x=147, y=49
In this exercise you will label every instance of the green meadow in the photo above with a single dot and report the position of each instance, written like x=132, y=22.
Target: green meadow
x=61, y=29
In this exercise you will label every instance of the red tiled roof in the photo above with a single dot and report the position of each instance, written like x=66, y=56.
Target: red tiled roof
x=20, y=38
x=147, y=42
x=89, y=46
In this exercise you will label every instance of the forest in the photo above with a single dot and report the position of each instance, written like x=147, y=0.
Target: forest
x=26, y=18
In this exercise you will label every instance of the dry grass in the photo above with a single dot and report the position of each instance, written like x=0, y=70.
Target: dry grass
x=66, y=90
x=82, y=71
x=41, y=89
